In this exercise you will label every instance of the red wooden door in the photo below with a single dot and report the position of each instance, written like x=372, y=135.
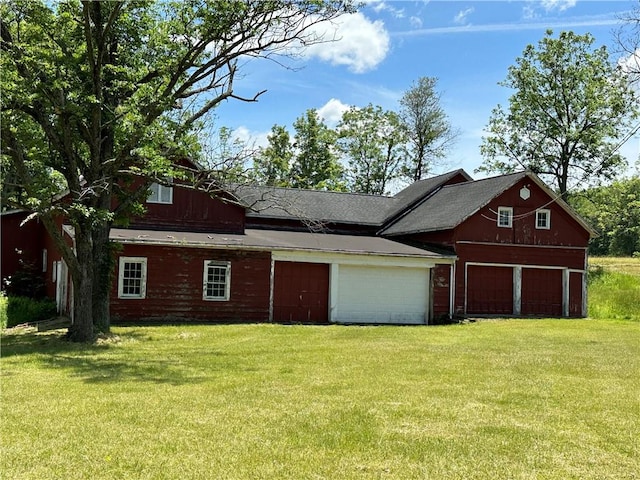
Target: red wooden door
x=541, y=292
x=301, y=292
x=490, y=290
x=575, y=294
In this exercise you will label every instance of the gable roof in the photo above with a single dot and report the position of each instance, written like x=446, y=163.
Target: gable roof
x=453, y=204
x=337, y=207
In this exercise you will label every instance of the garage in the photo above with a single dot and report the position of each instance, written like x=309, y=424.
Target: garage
x=489, y=290
x=374, y=294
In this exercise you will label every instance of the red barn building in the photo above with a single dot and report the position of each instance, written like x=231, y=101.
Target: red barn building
x=443, y=246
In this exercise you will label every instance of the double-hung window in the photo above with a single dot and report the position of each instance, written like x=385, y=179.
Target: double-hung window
x=132, y=277
x=160, y=194
x=543, y=219
x=216, y=280
x=505, y=217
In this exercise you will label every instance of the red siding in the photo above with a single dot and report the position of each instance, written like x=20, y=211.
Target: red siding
x=482, y=226
x=541, y=292
x=301, y=292
x=441, y=284
x=490, y=290
x=20, y=242
x=193, y=211
x=575, y=294
x=175, y=280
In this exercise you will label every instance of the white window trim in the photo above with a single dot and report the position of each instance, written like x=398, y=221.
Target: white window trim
x=143, y=282
x=548, y=216
x=44, y=260
x=227, y=287
x=161, y=188
x=508, y=210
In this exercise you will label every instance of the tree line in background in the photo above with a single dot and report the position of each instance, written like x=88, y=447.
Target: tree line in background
x=367, y=150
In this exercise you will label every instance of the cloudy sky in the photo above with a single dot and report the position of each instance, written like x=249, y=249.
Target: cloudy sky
x=388, y=45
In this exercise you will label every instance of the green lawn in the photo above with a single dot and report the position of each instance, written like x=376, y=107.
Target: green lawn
x=503, y=399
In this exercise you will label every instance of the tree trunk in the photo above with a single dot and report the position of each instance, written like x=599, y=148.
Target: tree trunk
x=102, y=276
x=81, y=329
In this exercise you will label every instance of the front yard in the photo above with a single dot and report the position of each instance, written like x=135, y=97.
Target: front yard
x=517, y=399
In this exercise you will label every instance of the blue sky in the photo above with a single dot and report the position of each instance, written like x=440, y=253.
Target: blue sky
x=387, y=45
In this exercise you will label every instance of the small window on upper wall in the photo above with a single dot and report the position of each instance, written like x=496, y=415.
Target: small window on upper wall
x=543, y=219
x=505, y=217
x=160, y=194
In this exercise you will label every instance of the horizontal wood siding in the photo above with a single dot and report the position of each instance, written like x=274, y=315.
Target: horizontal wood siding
x=193, y=211
x=175, y=282
x=482, y=226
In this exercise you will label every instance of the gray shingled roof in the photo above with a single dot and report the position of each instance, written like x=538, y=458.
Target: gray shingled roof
x=451, y=205
x=271, y=240
x=316, y=205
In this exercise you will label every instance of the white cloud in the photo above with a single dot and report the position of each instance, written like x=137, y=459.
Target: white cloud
x=331, y=112
x=560, y=5
x=461, y=17
x=415, y=22
x=358, y=43
x=379, y=6
x=249, y=138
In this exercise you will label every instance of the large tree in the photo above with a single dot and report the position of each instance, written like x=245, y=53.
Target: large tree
x=374, y=143
x=570, y=109
x=104, y=96
x=315, y=164
x=272, y=163
x=430, y=132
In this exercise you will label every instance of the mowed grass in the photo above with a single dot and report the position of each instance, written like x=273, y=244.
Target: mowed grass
x=496, y=399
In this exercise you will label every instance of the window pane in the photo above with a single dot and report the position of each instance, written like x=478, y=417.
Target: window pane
x=216, y=282
x=154, y=196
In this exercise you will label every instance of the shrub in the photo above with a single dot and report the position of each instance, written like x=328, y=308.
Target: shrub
x=3, y=311
x=21, y=310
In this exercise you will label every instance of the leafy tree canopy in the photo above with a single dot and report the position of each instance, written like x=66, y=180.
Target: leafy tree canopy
x=570, y=108
x=103, y=97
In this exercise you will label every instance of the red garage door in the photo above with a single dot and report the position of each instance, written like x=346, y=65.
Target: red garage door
x=490, y=290
x=541, y=292
x=301, y=292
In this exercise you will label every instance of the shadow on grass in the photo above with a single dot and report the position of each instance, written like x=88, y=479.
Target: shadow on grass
x=100, y=362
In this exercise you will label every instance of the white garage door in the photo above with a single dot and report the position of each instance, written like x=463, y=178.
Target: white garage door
x=382, y=295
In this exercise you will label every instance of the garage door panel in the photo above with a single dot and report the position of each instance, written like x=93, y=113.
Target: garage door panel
x=301, y=292
x=489, y=290
x=541, y=292
x=382, y=295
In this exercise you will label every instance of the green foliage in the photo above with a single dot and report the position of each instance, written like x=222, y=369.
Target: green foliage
x=510, y=399
x=271, y=165
x=427, y=126
x=3, y=310
x=315, y=165
x=20, y=310
x=374, y=142
x=569, y=106
x=98, y=96
x=614, y=211
x=27, y=281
